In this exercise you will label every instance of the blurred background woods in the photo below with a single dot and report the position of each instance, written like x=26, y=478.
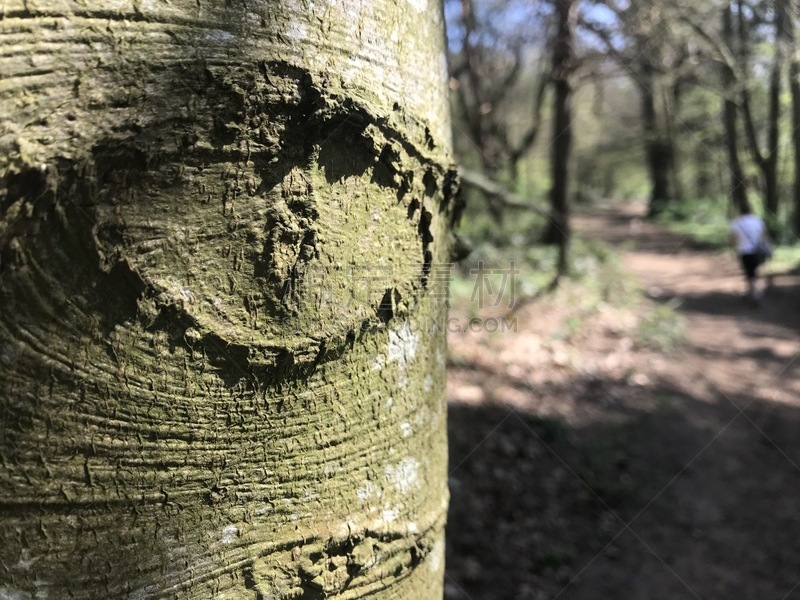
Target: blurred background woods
x=683, y=103
x=621, y=424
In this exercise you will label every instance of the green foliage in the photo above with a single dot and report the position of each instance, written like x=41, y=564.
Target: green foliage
x=536, y=265
x=533, y=178
x=662, y=329
x=781, y=229
x=785, y=259
x=707, y=221
x=607, y=154
x=598, y=268
x=517, y=227
x=704, y=220
x=496, y=245
x=594, y=267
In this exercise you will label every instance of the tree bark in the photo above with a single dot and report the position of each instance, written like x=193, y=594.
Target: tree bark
x=221, y=363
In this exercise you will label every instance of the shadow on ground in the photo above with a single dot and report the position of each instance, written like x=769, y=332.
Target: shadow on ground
x=710, y=495
x=622, y=228
x=780, y=306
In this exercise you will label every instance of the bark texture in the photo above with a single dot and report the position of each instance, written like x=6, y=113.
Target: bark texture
x=217, y=225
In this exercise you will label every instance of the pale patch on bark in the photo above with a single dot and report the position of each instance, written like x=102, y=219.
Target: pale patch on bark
x=219, y=36
x=229, y=534
x=444, y=72
x=390, y=514
x=25, y=561
x=419, y=5
x=403, y=343
x=404, y=476
x=367, y=492
x=12, y=594
x=436, y=557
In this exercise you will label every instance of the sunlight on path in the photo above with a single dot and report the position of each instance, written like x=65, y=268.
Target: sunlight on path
x=739, y=349
x=587, y=463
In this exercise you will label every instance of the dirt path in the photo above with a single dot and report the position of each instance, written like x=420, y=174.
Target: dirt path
x=585, y=467
x=737, y=348
x=726, y=336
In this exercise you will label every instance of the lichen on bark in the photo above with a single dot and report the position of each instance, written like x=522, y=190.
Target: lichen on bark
x=217, y=224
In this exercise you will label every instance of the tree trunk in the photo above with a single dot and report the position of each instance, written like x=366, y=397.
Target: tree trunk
x=473, y=109
x=563, y=58
x=221, y=363
x=771, y=190
x=791, y=10
x=794, y=87
x=704, y=172
x=659, y=146
x=671, y=102
x=738, y=182
x=767, y=161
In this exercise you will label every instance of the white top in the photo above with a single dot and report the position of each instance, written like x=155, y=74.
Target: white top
x=748, y=230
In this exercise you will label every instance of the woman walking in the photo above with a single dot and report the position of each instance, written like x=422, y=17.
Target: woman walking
x=749, y=237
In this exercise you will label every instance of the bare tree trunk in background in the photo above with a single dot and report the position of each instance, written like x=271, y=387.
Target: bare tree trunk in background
x=794, y=87
x=657, y=117
x=212, y=384
x=738, y=182
x=655, y=69
x=474, y=111
x=767, y=160
x=482, y=86
x=563, y=64
x=771, y=185
x=704, y=176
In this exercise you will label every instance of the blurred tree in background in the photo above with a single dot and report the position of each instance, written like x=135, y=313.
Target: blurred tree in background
x=691, y=106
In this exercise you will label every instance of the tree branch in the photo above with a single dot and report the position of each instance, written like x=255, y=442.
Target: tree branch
x=506, y=198
x=723, y=52
x=501, y=89
x=529, y=139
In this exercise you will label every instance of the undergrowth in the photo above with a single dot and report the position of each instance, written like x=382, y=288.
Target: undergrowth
x=706, y=221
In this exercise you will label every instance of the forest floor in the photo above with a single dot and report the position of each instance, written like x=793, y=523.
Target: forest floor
x=607, y=450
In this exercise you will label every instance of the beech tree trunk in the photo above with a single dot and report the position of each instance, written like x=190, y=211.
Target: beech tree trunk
x=221, y=371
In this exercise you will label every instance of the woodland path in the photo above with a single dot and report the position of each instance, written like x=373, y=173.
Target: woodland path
x=620, y=472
